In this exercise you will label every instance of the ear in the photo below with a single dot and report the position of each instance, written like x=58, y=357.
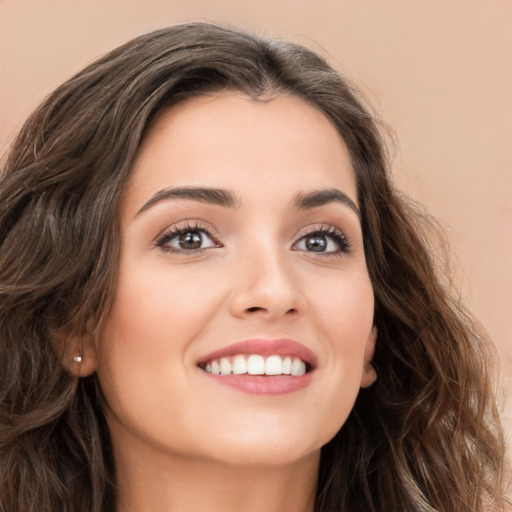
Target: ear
x=369, y=373
x=77, y=353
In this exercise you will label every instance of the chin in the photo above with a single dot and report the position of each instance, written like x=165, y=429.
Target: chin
x=268, y=448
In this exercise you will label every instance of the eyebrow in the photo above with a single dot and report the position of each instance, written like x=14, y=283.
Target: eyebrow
x=202, y=194
x=225, y=198
x=322, y=197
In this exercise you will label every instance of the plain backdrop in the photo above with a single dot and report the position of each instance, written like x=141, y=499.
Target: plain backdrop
x=438, y=71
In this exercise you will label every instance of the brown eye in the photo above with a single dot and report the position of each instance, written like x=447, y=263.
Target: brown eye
x=190, y=240
x=186, y=239
x=316, y=243
x=327, y=240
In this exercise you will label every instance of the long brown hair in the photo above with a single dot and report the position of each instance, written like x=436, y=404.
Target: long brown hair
x=426, y=437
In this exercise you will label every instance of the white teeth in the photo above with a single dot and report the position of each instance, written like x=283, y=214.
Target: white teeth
x=256, y=364
x=215, y=367
x=287, y=365
x=239, y=365
x=225, y=366
x=298, y=367
x=273, y=366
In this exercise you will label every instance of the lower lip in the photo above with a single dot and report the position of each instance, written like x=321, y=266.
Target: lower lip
x=262, y=385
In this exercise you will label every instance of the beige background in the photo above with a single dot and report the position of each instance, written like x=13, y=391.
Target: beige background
x=439, y=71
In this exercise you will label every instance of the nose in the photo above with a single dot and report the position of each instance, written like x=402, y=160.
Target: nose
x=266, y=286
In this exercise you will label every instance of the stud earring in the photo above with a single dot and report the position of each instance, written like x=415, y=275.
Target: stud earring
x=78, y=358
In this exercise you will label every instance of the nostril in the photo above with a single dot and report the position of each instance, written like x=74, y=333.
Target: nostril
x=253, y=309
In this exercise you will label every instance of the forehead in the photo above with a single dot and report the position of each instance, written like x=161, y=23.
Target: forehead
x=228, y=140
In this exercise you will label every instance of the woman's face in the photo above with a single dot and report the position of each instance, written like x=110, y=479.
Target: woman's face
x=242, y=253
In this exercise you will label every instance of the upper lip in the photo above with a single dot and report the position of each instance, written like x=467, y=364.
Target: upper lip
x=265, y=347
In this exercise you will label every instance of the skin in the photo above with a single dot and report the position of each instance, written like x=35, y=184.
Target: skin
x=172, y=426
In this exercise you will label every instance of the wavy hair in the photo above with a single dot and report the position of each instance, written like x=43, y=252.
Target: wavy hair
x=425, y=438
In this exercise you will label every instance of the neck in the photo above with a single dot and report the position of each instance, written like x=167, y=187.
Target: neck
x=151, y=484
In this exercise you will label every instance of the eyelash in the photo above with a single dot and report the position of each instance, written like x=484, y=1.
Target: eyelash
x=174, y=231
x=335, y=234
x=340, y=239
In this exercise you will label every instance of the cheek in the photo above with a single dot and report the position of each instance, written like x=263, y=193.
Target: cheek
x=152, y=309
x=156, y=317
x=346, y=312
x=143, y=351
x=344, y=316
x=148, y=329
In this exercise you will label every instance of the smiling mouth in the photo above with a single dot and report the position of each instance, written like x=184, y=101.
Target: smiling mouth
x=256, y=364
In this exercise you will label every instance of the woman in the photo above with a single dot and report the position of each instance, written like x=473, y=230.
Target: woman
x=213, y=298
